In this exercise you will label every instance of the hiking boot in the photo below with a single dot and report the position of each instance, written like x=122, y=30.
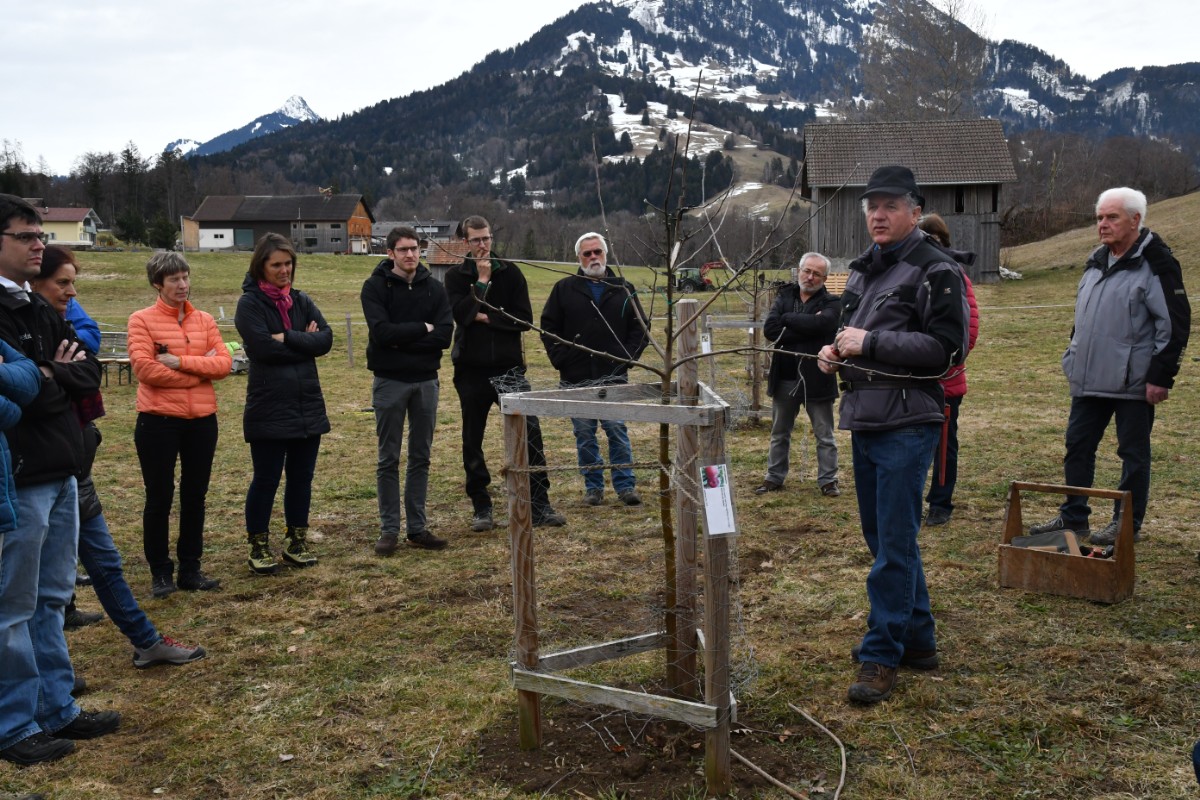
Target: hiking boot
x=166, y=651
x=831, y=489
x=197, y=581
x=1108, y=534
x=937, y=516
x=76, y=619
x=426, y=540
x=768, y=486
x=385, y=545
x=917, y=659
x=482, y=521
x=89, y=725
x=594, y=497
x=295, y=548
x=162, y=586
x=261, y=561
x=629, y=498
x=37, y=749
x=873, y=684
x=548, y=518
x=1059, y=524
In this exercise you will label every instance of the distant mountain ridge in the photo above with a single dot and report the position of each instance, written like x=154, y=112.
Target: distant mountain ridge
x=294, y=111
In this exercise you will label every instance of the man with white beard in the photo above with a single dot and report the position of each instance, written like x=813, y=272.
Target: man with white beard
x=593, y=326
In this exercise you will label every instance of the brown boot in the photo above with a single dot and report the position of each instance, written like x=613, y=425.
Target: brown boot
x=874, y=683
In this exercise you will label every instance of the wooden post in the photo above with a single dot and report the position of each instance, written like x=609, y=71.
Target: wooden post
x=520, y=531
x=349, y=341
x=681, y=647
x=761, y=297
x=712, y=360
x=717, y=775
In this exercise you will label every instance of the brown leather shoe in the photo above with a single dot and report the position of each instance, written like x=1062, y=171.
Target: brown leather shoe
x=874, y=683
x=831, y=489
x=768, y=486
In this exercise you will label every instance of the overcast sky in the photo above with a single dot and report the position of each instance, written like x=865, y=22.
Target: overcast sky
x=91, y=77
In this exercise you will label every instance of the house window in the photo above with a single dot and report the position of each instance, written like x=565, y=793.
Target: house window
x=53, y=235
x=310, y=241
x=218, y=236
x=960, y=200
x=995, y=198
x=335, y=225
x=310, y=226
x=335, y=240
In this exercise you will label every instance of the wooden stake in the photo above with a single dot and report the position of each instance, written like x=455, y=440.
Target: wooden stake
x=520, y=531
x=681, y=646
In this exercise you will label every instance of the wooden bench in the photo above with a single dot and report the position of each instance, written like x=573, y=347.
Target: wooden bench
x=114, y=351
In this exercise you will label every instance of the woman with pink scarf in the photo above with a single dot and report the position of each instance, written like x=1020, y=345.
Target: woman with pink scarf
x=283, y=333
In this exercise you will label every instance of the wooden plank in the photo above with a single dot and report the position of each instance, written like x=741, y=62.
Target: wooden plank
x=682, y=673
x=595, y=653
x=717, y=582
x=697, y=715
x=604, y=409
x=614, y=393
x=520, y=531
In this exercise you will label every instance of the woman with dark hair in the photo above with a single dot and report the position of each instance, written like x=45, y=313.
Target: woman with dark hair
x=284, y=334
x=176, y=353
x=56, y=283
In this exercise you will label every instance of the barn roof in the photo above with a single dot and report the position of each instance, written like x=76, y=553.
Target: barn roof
x=276, y=208
x=937, y=151
x=452, y=252
x=64, y=214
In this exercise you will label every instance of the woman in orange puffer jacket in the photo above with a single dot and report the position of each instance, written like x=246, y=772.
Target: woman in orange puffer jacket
x=176, y=352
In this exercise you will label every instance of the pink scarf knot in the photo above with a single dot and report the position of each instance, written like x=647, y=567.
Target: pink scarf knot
x=282, y=298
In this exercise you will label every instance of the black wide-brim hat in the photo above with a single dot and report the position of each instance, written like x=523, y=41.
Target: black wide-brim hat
x=894, y=180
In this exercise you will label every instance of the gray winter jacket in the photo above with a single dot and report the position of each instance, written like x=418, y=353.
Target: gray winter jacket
x=1131, y=322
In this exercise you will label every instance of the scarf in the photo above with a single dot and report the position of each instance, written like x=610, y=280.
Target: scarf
x=282, y=298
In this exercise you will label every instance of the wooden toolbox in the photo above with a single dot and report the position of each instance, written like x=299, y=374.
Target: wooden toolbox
x=1105, y=580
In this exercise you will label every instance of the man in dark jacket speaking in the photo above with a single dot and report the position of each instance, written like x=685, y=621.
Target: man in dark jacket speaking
x=1132, y=319
x=904, y=324
x=802, y=321
x=590, y=316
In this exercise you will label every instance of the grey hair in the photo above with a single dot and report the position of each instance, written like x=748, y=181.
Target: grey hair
x=164, y=264
x=590, y=235
x=828, y=264
x=1133, y=201
x=909, y=198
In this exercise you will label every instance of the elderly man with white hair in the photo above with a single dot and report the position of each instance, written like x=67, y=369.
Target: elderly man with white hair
x=593, y=326
x=1132, y=318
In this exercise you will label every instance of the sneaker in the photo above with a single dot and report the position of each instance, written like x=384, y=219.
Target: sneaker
x=261, y=561
x=1059, y=524
x=1108, y=534
x=630, y=498
x=166, y=651
x=385, y=545
x=37, y=749
x=937, y=516
x=163, y=586
x=548, y=518
x=295, y=548
x=89, y=725
x=768, y=486
x=426, y=541
x=873, y=684
x=594, y=497
x=482, y=521
x=831, y=489
x=197, y=581
x=76, y=619
x=917, y=659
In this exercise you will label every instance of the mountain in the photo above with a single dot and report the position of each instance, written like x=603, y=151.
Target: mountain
x=292, y=112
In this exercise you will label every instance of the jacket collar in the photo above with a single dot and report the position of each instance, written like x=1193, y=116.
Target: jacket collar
x=1132, y=257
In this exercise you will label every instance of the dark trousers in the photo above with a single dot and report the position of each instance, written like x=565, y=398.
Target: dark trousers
x=271, y=459
x=160, y=441
x=942, y=496
x=1085, y=428
x=476, y=396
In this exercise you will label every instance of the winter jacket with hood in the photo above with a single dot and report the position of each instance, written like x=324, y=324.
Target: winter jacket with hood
x=400, y=346
x=187, y=392
x=614, y=324
x=283, y=389
x=798, y=326
x=955, y=382
x=494, y=346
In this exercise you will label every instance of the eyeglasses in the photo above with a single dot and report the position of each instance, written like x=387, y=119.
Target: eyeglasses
x=413, y=249
x=812, y=273
x=589, y=253
x=28, y=237
x=478, y=240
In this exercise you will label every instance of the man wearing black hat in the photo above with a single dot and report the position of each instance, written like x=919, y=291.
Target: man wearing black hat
x=904, y=324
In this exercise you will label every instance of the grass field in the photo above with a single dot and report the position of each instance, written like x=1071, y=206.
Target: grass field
x=367, y=677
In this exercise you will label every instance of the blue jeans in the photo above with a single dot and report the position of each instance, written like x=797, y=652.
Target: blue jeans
x=943, y=496
x=890, y=468
x=103, y=563
x=394, y=401
x=587, y=448
x=271, y=458
x=37, y=578
x=1085, y=428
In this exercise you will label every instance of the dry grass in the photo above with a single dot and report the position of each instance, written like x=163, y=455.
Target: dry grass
x=366, y=677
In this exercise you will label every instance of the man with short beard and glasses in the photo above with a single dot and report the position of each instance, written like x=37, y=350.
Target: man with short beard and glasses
x=597, y=310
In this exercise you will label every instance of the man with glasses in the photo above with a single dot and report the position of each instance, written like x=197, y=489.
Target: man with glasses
x=598, y=310
x=408, y=325
x=803, y=319
x=489, y=299
x=38, y=717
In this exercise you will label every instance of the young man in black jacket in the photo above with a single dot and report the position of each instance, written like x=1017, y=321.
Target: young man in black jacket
x=490, y=303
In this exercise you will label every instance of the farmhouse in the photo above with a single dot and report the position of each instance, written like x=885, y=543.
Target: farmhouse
x=960, y=166
x=315, y=223
x=70, y=227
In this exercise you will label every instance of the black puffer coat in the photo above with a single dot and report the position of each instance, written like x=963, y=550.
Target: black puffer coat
x=283, y=392
x=796, y=326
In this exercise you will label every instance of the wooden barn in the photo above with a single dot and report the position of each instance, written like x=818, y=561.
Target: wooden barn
x=314, y=223
x=960, y=166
